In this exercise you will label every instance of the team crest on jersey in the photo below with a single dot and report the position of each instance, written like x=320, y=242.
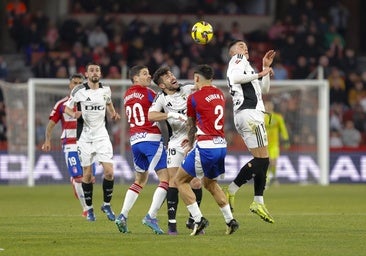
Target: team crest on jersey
x=239, y=57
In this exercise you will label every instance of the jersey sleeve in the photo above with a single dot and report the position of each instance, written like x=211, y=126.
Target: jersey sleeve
x=108, y=94
x=191, y=103
x=56, y=113
x=236, y=74
x=158, y=103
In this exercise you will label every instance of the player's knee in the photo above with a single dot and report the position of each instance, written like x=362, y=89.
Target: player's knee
x=196, y=183
x=77, y=179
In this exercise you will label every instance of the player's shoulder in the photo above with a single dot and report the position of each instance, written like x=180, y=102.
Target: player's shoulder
x=187, y=88
x=77, y=89
x=238, y=59
x=61, y=101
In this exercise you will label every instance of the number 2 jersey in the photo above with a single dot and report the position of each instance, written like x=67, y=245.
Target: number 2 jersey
x=207, y=106
x=137, y=101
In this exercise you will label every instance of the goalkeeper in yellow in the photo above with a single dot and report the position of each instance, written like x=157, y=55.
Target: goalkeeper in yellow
x=277, y=133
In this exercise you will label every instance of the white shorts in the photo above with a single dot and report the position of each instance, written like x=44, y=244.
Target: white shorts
x=250, y=125
x=96, y=151
x=175, y=154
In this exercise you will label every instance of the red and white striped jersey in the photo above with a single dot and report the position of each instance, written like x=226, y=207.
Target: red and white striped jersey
x=68, y=124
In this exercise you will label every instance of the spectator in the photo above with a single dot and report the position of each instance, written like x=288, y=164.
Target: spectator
x=351, y=137
x=335, y=140
x=339, y=16
x=280, y=72
x=301, y=69
x=97, y=37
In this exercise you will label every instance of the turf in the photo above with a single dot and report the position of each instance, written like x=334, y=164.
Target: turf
x=309, y=220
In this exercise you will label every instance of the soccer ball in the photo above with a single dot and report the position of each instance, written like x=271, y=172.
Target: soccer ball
x=202, y=32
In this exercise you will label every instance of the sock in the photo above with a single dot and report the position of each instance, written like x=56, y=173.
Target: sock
x=259, y=199
x=198, y=193
x=130, y=198
x=158, y=198
x=79, y=193
x=107, y=190
x=233, y=188
x=261, y=167
x=172, y=204
x=195, y=211
x=88, y=193
x=226, y=212
x=245, y=174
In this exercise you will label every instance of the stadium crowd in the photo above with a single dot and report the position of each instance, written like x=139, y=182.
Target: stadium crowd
x=304, y=38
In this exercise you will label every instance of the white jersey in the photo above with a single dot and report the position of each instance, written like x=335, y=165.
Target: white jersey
x=177, y=103
x=247, y=95
x=92, y=103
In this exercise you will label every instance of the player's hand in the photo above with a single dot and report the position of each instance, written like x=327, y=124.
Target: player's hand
x=265, y=71
x=116, y=116
x=46, y=147
x=286, y=145
x=174, y=115
x=268, y=58
x=77, y=114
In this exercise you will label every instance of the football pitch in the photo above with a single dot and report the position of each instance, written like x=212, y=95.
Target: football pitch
x=309, y=220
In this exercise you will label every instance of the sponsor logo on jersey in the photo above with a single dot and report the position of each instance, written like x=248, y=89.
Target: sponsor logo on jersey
x=88, y=99
x=100, y=107
x=137, y=136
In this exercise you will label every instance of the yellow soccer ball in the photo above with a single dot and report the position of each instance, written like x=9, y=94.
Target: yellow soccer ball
x=202, y=32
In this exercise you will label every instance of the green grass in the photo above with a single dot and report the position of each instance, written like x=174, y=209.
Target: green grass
x=310, y=220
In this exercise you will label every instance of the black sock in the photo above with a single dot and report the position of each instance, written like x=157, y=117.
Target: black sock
x=88, y=193
x=261, y=167
x=245, y=174
x=172, y=202
x=198, y=193
x=107, y=190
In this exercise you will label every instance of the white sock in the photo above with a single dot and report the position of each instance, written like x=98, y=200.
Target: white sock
x=228, y=215
x=259, y=199
x=80, y=194
x=233, y=188
x=157, y=200
x=195, y=211
x=130, y=199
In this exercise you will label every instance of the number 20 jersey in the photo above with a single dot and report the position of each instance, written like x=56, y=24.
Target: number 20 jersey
x=137, y=101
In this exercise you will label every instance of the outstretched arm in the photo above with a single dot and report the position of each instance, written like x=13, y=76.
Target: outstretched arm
x=47, y=143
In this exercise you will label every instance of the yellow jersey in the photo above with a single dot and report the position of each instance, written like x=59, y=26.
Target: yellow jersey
x=276, y=130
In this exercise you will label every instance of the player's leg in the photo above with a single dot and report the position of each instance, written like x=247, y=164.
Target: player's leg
x=196, y=186
x=85, y=152
x=131, y=196
x=141, y=164
x=104, y=155
x=221, y=200
x=158, y=161
x=107, y=185
x=172, y=202
x=184, y=176
x=76, y=173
